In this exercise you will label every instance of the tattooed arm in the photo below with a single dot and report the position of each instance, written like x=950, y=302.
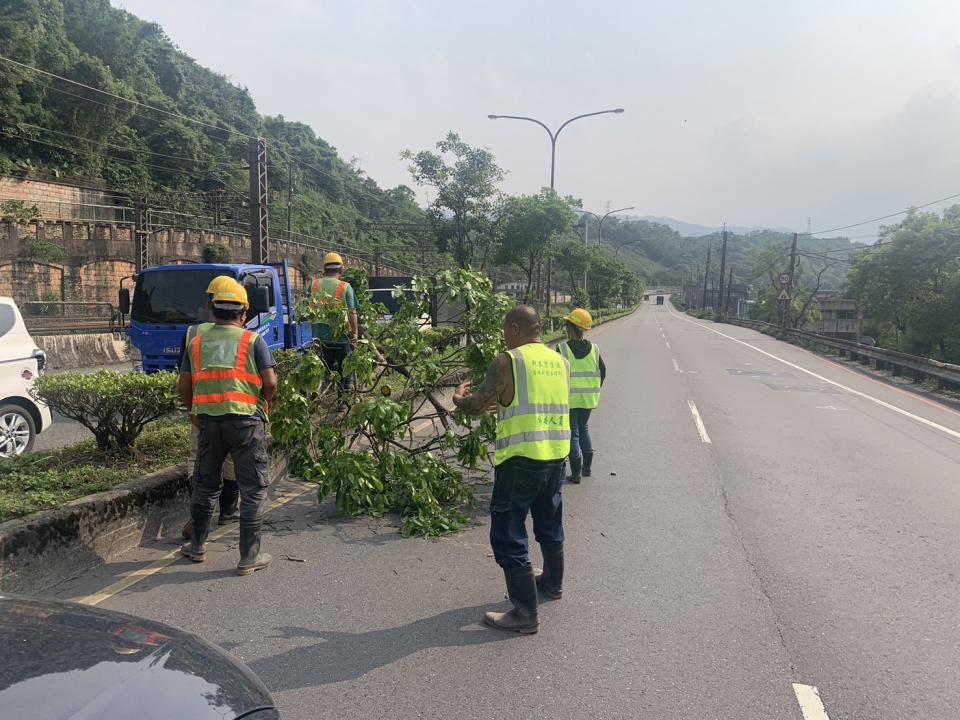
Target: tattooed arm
x=498, y=379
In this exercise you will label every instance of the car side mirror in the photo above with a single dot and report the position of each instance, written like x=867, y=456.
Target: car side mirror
x=259, y=297
x=124, y=301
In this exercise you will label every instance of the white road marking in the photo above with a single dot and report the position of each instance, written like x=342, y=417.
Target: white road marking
x=698, y=421
x=668, y=345
x=810, y=703
x=906, y=413
x=675, y=366
x=829, y=407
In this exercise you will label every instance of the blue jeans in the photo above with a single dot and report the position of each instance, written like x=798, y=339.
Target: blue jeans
x=523, y=485
x=580, y=432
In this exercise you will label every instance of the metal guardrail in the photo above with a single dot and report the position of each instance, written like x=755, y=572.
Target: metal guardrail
x=898, y=363
x=52, y=317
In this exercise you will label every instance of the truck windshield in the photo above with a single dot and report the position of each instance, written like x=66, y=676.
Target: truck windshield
x=175, y=296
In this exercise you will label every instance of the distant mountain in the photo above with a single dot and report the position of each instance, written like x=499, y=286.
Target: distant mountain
x=693, y=230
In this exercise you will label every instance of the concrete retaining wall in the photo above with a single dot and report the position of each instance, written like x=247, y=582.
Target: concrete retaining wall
x=40, y=550
x=66, y=352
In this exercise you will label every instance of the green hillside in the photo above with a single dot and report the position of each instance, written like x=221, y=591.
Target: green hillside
x=199, y=143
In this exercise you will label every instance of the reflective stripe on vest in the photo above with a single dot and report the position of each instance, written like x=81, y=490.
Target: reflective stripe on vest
x=536, y=424
x=337, y=294
x=224, y=371
x=584, y=377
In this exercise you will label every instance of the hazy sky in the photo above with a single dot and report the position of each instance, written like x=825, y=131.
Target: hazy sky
x=755, y=113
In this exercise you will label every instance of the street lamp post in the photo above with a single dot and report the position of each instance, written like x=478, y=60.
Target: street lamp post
x=553, y=135
x=553, y=161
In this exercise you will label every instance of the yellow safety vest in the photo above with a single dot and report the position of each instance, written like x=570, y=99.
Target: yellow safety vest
x=584, y=377
x=224, y=371
x=326, y=287
x=536, y=423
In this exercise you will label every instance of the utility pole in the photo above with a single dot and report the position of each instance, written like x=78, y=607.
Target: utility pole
x=290, y=200
x=723, y=268
x=793, y=265
x=726, y=303
x=706, y=274
x=259, y=219
x=140, y=236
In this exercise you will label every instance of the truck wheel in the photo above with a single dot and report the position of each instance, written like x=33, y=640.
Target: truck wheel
x=17, y=431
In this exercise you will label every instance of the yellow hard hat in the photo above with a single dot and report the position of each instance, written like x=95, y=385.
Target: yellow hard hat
x=332, y=258
x=581, y=318
x=220, y=281
x=228, y=296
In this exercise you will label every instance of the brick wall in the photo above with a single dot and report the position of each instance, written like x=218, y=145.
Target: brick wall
x=94, y=257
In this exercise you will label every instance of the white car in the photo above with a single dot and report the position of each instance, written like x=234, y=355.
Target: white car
x=21, y=361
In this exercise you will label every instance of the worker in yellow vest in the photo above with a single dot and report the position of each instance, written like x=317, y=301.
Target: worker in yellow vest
x=530, y=385
x=335, y=346
x=587, y=373
x=227, y=382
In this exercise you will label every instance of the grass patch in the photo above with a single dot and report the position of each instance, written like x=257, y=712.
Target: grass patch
x=41, y=481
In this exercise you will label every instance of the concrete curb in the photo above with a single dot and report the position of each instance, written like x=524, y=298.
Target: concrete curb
x=68, y=352
x=45, y=548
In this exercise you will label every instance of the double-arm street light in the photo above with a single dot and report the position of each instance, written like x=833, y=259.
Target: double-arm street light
x=599, y=220
x=553, y=135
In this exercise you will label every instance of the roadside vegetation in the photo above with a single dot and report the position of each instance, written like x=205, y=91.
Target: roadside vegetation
x=40, y=481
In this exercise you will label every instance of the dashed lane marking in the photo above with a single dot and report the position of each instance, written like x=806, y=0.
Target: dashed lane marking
x=130, y=579
x=810, y=703
x=698, y=421
x=675, y=366
x=882, y=403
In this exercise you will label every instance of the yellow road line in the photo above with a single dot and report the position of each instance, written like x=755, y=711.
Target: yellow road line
x=132, y=578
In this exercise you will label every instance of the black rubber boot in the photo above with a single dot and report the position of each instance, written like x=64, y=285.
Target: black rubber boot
x=575, y=464
x=229, y=503
x=522, y=591
x=587, y=463
x=550, y=579
x=196, y=549
x=251, y=559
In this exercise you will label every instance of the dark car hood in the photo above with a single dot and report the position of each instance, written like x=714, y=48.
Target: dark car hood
x=63, y=661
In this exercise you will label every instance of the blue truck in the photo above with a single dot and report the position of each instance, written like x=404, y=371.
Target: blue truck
x=167, y=299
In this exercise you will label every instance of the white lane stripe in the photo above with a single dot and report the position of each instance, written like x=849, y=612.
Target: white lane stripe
x=698, y=421
x=675, y=366
x=810, y=703
x=906, y=413
x=668, y=345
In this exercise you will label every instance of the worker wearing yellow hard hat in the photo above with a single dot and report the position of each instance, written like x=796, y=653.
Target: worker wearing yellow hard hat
x=587, y=373
x=334, y=346
x=230, y=495
x=227, y=381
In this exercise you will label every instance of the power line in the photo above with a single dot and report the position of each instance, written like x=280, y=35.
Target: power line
x=136, y=103
x=138, y=150
x=7, y=133
x=887, y=217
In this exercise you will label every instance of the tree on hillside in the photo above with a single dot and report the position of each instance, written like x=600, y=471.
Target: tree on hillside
x=532, y=224
x=573, y=259
x=465, y=209
x=771, y=260
x=909, y=284
x=604, y=279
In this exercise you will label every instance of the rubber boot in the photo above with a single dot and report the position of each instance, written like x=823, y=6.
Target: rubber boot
x=587, y=463
x=575, y=464
x=550, y=579
x=196, y=549
x=251, y=559
x=522, y=591
x=229, y=503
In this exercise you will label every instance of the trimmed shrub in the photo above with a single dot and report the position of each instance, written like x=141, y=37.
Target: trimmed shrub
x=115, y=407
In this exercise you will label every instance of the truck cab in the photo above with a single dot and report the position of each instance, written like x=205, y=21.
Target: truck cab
x=168, y=299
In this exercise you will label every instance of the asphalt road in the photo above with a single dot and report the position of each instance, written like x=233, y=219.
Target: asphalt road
x=751, y=531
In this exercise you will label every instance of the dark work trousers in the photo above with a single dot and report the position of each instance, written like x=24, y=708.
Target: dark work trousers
x=333, y=355
x=522, y=485
x=580, y=432
x=245, y=440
